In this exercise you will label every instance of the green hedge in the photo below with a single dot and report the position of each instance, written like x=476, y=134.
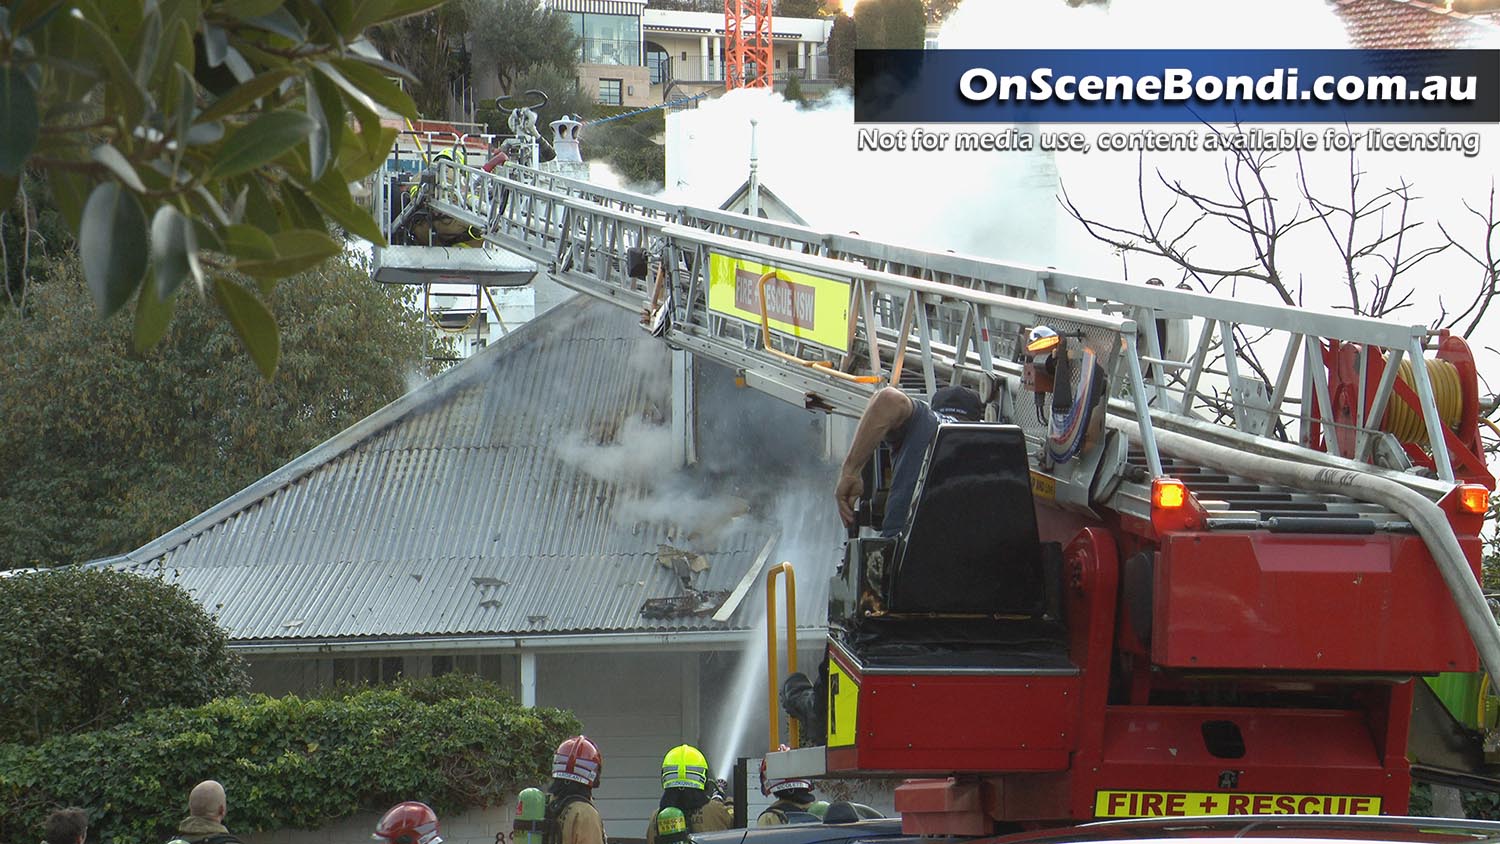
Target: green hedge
x=88, y=648
x=286, y=762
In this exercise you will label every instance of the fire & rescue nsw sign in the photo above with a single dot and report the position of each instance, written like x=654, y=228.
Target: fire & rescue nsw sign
x=1168, y=804
x=797, y=303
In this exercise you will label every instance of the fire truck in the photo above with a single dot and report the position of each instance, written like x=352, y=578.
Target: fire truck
x=1198, y=563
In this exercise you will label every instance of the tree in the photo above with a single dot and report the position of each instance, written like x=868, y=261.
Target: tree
x=892, y=25
x=1375, y=234
x=430, y=47
x=106, y=450
x=793, y=90
x=629, y=146
x=563, y=97
x=800, y=8
x=183, y=141
x=89, y=648
x=938, y=10
x=841, y=43
x=509, y=37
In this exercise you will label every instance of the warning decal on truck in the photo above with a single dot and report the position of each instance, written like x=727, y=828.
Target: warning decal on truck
x=1159, y=804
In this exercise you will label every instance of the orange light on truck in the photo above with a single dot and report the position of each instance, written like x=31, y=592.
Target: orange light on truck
x=1170, y=494
x=1473, y=498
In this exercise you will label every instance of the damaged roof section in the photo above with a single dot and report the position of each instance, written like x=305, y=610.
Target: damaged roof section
x=532, y=490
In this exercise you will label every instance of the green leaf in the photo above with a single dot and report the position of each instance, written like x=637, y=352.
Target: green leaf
x=402, y=8
x=357, y=160
x=152, y=314
x=259, y=211
x=112, y=243
x=147, y=47
x=301, y=211
x=261, y=142
x=332, y=105
x=375, y=83
x=29, y=17
x=246, y=9
x=19, y=124
x=241, y=96
x=367, y=13
x=251, y=320
x=8, y=187
x=296, y=250
x=331, y=193
x=186, y=109
x=70, y=191
x=248, y=242
x=318, y=143
x=124, y=92
x=174, y=251
x=119, y=165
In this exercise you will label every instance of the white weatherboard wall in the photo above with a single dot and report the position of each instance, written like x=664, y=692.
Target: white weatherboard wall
x=632, y=705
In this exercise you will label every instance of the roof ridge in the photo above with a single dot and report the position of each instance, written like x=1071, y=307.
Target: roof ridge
x=444, y=386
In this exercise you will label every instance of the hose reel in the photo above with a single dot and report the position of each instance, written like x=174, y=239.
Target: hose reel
x=1455, y=387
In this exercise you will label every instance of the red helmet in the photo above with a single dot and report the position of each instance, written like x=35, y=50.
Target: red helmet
x=769, y=787
x=577, y=759
x=409, y=823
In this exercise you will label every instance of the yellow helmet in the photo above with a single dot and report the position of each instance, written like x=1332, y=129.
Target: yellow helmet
x=684, y=767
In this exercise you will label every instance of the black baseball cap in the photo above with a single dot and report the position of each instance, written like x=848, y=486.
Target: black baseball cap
x=958, y=401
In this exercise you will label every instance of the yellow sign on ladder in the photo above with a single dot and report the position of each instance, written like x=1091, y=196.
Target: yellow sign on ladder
x=797, y=303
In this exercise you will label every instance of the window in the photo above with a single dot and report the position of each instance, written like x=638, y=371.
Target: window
x=684, y=55
x=660, y=63
x=607, y=39
x=609, y=91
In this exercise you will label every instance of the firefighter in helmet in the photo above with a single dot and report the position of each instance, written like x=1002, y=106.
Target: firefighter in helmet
x=793, y=803
x=408, y=823
x=571, y=816
x=684, y=783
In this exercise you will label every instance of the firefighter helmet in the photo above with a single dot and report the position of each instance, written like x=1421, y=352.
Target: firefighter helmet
x=578, y=759
x=409, y=823
x=770, y=786
x=684, y=767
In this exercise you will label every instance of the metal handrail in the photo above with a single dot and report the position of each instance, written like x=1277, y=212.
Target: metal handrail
x=771, y=649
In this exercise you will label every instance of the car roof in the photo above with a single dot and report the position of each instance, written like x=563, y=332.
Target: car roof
x=1286, y=828
x=887, y=830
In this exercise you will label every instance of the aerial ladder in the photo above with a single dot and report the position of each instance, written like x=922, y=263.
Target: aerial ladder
x=1191, y=573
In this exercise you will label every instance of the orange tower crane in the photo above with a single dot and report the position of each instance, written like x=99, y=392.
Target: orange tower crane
x=747, y=44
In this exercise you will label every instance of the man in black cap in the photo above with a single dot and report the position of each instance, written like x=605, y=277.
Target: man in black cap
x=909, y=425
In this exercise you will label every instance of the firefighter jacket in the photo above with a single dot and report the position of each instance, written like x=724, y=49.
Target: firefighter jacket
x=711, y=817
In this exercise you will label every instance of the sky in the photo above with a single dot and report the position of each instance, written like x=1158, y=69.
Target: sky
x=1004, y=205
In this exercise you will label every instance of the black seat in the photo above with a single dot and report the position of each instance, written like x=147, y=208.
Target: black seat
x=971, y=542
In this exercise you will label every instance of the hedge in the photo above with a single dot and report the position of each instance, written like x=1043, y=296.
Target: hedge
x=88, y=648
x=286, y=762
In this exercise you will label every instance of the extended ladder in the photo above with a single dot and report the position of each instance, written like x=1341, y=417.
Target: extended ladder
x=1249, y=376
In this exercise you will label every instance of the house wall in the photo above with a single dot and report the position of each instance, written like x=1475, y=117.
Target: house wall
x=635, y=707
x=635, y=82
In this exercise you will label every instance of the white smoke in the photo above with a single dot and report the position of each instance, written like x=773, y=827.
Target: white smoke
x=638, y=452
x=1004, y=205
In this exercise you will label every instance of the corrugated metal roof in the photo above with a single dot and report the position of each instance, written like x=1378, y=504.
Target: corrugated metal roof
x=502, y=498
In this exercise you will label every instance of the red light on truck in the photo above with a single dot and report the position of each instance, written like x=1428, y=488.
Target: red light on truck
x=1170, y=494
x=1473, y=498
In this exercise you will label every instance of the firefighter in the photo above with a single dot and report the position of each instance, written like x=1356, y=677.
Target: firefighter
x=684, y=783
x=909, y=425
x=408, y=823
x=793, y=803
x=571, y=816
